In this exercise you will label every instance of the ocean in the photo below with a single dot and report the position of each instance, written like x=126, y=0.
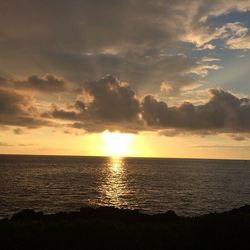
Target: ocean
x=152, y=185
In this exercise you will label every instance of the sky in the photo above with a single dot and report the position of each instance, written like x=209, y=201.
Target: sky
x=147, y=78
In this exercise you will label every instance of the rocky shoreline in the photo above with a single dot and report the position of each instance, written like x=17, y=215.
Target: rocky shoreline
x=113, y=228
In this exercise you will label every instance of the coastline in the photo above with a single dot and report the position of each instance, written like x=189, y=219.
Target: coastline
x=113, y=228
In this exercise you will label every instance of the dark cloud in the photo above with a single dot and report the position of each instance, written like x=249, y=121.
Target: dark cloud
x=112, y=104
x=16, y=109
x=172, y=132
x=18, y=131
x=80, y=106
x=12, y=102
x=48, y=83
x=74, y=112
x=24, y=121
x=114, y=101
x=63, y=114
x=224, y=112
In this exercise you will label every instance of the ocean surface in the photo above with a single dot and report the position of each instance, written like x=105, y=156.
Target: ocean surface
x=152, y=185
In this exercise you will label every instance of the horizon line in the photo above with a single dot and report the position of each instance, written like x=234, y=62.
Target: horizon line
x=108, y=156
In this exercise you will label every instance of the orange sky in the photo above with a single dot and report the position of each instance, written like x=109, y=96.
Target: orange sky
x=143, y=145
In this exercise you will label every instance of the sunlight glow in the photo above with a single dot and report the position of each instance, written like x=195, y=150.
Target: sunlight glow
x=114, y=188
x=116, y=144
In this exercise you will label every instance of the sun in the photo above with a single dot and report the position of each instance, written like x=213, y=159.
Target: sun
x=117, y=144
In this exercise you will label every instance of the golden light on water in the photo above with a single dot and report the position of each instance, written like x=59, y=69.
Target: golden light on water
x=114, y=187
x=116, y=164
x=117, y=144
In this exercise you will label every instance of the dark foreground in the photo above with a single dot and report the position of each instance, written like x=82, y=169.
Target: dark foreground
x=112, y=228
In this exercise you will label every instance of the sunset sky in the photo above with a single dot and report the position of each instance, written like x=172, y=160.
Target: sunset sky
x=153, y=78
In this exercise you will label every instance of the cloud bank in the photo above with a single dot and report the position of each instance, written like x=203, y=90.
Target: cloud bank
x=114, y=105
x=111, y=104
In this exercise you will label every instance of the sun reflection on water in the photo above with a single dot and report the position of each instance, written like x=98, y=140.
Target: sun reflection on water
x=114, y=187
x=116, y=164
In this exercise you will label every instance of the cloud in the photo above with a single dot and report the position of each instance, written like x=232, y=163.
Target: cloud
x=73, y=112
x=16, y=109
x=144, y=69
x=12, y=102
x=92, y=25
x=113, y=100
x=148, y=72
x=233, y=35
x=172, y=132
x=64, y=114
x=224, y=112
x=135, y=40
x=85, y=28
x=166, y=48
x=239, y=137
x=48, y=83
x=240, y=38
x=18, y=131
x=78, y=25
x=112, y=104
x=115, y=106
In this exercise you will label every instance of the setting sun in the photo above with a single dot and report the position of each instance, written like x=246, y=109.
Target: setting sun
x=117, y=144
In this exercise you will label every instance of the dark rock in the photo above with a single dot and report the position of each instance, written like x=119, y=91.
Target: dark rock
x=27, y=214
x=113, y=228
x=243, y=209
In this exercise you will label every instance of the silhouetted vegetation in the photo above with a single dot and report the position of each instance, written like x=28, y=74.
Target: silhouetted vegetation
x=112, y=228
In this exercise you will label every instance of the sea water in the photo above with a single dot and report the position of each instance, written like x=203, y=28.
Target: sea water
x=151, y=185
